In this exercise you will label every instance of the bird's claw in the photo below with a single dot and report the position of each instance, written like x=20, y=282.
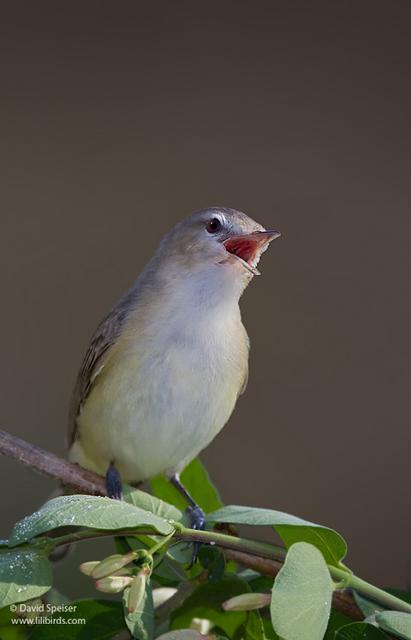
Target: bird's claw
x=197, y=522
x=197, y=517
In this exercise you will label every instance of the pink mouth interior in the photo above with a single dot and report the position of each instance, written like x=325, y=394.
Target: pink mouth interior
x=244, y=248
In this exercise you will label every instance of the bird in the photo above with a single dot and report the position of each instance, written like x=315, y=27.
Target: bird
x=165, y=367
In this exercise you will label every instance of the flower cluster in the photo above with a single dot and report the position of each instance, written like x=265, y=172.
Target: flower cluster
x=116, y=572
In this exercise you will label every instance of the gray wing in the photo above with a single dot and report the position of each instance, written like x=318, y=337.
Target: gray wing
x=245, y=382
x=102, y=341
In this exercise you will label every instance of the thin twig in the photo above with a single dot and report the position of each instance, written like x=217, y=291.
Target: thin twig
x=88, y=482
x=51, y=465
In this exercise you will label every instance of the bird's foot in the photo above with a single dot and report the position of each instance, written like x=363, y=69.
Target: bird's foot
x=197, y=521
x=197, y=517
x=195, y=513
x=114, y=486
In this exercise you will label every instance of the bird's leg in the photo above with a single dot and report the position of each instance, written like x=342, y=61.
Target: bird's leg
x=114, y=486
x=197, y=515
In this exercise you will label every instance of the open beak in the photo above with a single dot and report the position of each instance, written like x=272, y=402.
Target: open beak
x=248, y=247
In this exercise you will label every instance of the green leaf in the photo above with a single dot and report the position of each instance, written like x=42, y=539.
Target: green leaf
x=206, y=602
x=290, y=528
x=181, y=634
x=10, y=631
x=169, y=573
x=269, y=632
x=367, y=607
x=181, y=553
x=103, y=620
x=360, y=631
x=24, y=574
x=197, y=482
x=140, y=623
x=301, y=595
x=256, y=581
x=212, y=559
x=395, y=622
x=253, y=629
x=56, y=597
x=370, y=607
x=86, y=511
x=14, y=632
x=336, y=621
x=146, y=501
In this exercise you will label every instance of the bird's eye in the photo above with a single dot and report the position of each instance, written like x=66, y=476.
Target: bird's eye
x=214, y=225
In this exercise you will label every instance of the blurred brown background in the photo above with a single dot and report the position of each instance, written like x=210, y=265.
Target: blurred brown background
x=118, y=119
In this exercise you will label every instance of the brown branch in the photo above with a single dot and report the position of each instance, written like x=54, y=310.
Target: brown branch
x=84, y=481
x=51, y=465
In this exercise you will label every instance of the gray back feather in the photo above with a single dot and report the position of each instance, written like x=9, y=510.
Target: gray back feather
x=103, y=338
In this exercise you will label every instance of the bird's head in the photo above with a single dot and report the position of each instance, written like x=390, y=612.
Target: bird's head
x=219, y=241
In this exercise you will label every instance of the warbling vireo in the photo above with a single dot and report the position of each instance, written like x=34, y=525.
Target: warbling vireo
x=164, y=369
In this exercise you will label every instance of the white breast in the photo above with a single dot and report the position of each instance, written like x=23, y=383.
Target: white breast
x=169, y=391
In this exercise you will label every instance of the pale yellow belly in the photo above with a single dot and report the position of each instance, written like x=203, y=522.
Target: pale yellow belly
x=153, y=415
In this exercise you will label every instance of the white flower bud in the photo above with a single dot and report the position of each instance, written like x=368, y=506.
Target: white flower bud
x=88, y=567
x=247, y=602
x=202, y=625
x=111, y=564
x=113, y=584
x=162, y=594
x=137, y=590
